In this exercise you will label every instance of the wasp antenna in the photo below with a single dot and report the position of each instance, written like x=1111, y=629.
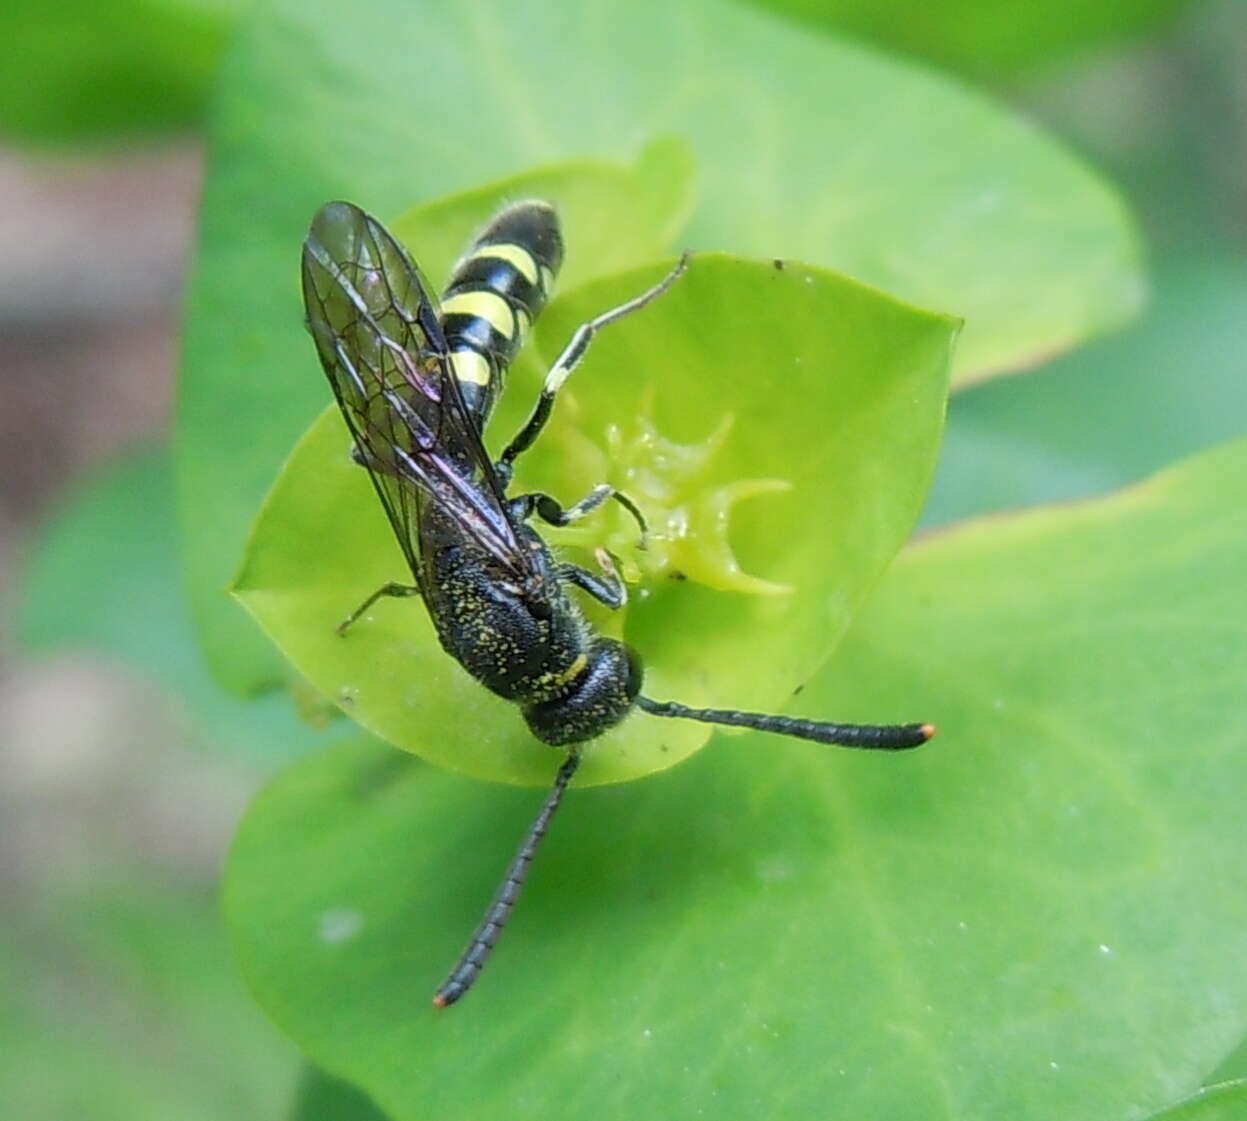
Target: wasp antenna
x=876, y=737
x=463, y=976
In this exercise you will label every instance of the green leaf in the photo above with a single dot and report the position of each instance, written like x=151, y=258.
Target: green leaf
x=220, y=392
x=119, y=527
x=121, y=1002
x=84, y=71
x=322, y=1098
x=1037, y=916
x=1232, y=1067
x=807, y=149
x=614, y=217
x=1226, y=1102
x=821, y=399
x=1114, y=412
x=984, y=40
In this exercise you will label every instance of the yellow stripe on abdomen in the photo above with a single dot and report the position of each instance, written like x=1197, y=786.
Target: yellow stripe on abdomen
x=470, y=366
x=517, y=255
x=486, y=305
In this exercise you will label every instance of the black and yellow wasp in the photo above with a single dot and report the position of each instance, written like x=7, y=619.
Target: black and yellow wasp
x=416, y=384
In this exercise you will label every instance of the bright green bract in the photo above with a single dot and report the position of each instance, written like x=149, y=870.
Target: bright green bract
x=831, y=391
x=805, y=148
x=1039, y=915
x=647, y=201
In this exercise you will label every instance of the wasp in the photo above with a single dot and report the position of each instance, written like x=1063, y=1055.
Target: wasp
x=416, y=380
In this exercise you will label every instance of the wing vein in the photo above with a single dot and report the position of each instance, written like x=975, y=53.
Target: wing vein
x=377, y=332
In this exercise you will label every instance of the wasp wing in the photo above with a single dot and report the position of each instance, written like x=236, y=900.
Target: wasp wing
x=376, y=330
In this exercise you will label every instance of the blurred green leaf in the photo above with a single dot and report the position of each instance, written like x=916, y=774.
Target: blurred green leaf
x=322, y=1098
x=807, y=149
x=827, y=394
x=986, y=40
x=1115, y=411
x=80, y=70
x=103, y=576
x=121, y=1002
x=1038, y=916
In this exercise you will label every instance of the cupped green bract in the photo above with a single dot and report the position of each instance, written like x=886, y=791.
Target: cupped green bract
x=829, y=394
x=806, y=148
x=646, y=202
x=1038, y=915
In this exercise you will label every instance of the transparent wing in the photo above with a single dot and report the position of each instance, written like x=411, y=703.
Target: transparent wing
x=377, y=333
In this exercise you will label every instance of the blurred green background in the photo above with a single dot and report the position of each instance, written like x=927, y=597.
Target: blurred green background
x=123, y=768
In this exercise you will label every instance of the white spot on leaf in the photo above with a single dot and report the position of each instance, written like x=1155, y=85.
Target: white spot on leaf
x=339, y=924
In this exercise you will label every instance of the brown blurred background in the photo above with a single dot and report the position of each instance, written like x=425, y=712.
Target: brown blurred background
x=118, y=997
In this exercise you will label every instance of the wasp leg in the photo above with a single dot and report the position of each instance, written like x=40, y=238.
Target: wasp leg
x=608, y=588
x=549, y=510
x=570, y=359
x=468, y=968
x=398, y=591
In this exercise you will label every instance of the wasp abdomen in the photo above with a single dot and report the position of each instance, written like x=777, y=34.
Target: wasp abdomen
x=496, y=291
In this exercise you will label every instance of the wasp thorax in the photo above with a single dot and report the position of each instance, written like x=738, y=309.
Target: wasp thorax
x=597, y=700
